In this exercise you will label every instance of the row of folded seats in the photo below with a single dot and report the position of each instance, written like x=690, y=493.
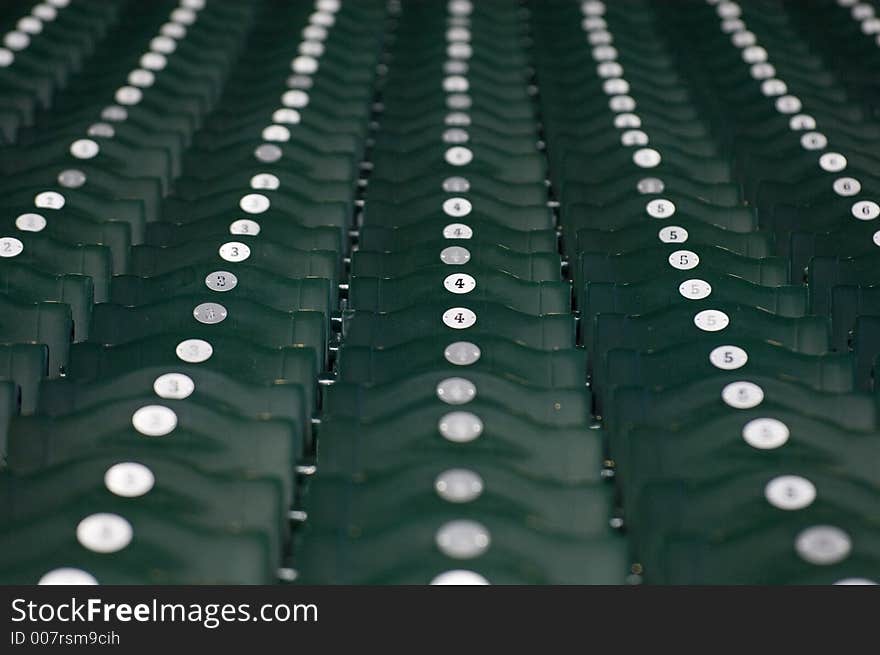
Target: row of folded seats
x=42, y=46
x=174, y=237
x=455, y=443
x=848, y=34
x=716, y=201
x=589, y=241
